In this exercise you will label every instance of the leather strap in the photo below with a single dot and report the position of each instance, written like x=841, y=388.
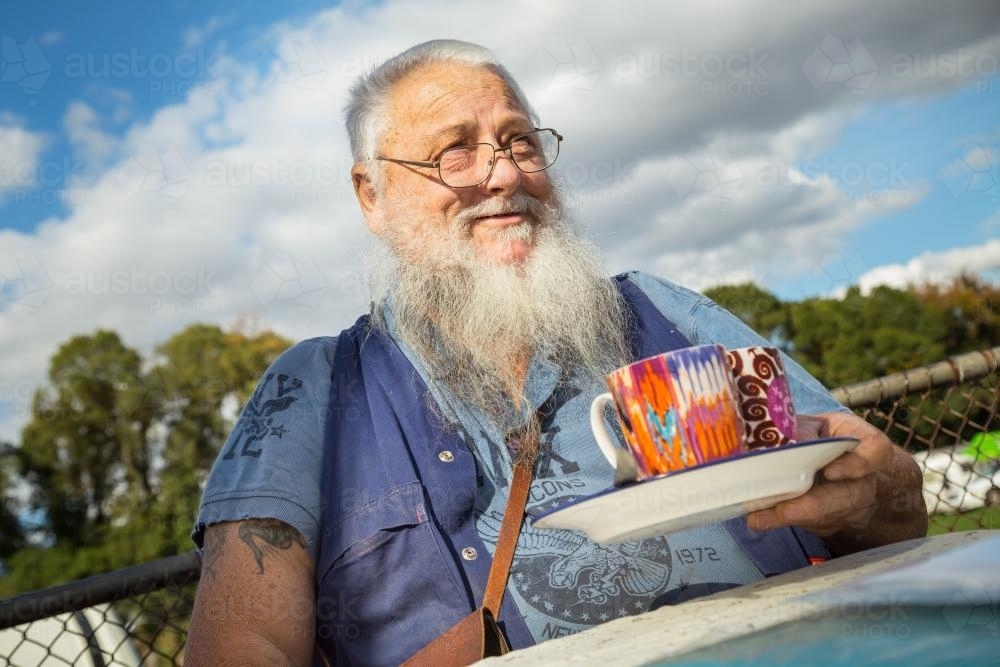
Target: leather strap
x=513, y=514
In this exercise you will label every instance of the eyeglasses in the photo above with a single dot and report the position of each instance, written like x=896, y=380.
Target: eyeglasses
x=470, y=165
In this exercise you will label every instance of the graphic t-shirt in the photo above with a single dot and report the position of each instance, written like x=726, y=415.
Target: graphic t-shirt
x=561, y=581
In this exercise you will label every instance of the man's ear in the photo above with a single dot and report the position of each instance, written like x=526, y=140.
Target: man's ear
x=367, y=198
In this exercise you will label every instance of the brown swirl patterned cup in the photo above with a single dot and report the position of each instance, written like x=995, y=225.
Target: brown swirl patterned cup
x=764, y=397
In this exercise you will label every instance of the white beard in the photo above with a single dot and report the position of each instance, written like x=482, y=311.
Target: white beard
x=474, y=323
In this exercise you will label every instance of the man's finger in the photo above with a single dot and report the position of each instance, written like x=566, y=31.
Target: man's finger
x=872, y=455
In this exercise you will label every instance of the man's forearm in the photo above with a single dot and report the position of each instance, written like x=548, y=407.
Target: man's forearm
x=900, y=513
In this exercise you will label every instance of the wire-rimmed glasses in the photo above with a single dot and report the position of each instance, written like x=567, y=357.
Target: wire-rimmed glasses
x=470, y=165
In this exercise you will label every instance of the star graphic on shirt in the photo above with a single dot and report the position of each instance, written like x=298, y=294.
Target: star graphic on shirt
x=585, y=616
x=549, y=606
x=623, y=612
x=638, y=604
x=536, y=598
x=604, y=616
x=567, y=614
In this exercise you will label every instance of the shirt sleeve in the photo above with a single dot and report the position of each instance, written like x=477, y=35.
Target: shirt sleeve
x=270, y=464
x=705, y=322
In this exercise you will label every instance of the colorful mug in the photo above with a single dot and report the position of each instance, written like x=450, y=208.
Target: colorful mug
x=677, y=410
x=764, y=397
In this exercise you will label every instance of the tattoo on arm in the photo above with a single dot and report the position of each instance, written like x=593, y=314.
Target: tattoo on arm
x=214, y=542
x=268, y=536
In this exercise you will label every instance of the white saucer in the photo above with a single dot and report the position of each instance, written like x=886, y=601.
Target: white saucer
x=698, y=496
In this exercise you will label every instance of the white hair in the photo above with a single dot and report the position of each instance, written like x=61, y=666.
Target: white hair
x=367, y=117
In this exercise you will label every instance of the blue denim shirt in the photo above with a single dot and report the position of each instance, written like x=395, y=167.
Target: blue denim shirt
x=270, y=467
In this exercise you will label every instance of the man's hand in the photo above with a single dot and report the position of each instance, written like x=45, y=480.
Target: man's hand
x=866, y=498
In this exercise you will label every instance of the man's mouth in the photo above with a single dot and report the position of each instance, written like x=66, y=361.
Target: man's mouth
x=502, y=220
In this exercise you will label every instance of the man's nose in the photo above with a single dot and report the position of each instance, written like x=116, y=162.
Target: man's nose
x=506, y=177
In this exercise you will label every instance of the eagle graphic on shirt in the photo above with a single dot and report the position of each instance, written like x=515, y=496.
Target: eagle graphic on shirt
x=597, y=573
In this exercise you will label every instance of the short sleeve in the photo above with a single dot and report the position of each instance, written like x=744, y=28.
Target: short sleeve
x=705, y=322
x=270, y=464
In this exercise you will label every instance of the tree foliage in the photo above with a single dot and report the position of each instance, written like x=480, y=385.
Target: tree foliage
x=117, y=449
x=118, y=446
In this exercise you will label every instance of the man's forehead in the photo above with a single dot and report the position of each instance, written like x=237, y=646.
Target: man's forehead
x=443, y=98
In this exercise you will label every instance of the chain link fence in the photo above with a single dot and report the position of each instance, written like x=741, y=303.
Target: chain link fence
x=944, y=413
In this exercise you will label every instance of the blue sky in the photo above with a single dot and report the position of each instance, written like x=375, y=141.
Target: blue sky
x=76, y=32
x=922, y=135
x=141, y=186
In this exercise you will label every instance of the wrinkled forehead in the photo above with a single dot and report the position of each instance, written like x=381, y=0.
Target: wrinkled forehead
x=443, y=98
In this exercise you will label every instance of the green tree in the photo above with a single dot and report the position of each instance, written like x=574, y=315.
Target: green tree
x=971, y=309
x=117, y=449
x=11, y=533
x=864, y=336
x=72, y=448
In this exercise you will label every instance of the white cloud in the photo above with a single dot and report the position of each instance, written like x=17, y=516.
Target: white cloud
x=19, y=152
x=195, y=36
x=239, y=202
x=938, y=268
x=990, y=226
x=91, y=144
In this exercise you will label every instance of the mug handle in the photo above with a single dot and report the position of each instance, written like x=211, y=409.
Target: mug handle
x=600, y=432
x=622, y=460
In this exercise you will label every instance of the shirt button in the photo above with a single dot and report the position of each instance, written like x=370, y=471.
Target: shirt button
x=468, y=553
x=446, y=456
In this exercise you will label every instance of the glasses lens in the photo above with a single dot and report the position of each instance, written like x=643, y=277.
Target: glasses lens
x=463, y=166
x=535, y=151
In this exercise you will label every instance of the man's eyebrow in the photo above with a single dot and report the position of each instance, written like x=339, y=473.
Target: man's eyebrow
x=468, y=128
x=458, y=130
